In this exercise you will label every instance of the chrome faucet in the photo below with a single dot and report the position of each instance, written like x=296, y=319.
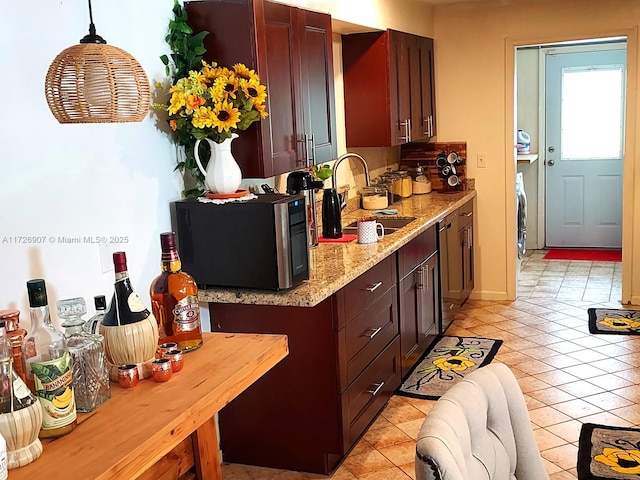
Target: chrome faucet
x=344, y=157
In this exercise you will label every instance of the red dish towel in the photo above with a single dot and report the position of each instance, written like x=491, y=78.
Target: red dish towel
x=347, y=237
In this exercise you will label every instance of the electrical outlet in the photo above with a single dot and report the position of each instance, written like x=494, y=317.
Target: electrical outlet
x=482, y=160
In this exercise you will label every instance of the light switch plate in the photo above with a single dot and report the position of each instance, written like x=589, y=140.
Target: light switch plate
x=482, y=160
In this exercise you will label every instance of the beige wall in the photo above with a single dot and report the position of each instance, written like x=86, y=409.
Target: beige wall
x=474, y=45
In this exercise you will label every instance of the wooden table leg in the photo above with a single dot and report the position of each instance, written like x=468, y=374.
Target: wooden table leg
x=206, y=453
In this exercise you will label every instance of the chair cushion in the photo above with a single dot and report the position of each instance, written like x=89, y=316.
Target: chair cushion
x=479, y=429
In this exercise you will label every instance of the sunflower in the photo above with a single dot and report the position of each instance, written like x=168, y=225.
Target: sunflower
x=619, y=460
x=243, y=72
x=456, y=363
x=255, y=91
x=203, y=117
x=225, y=116
x=262, y=109
x=621, y=323
x=176, y=103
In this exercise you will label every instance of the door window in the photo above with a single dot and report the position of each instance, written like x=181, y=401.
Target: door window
x=592, y=112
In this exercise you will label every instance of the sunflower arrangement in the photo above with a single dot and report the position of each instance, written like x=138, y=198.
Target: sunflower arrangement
x=212, y=102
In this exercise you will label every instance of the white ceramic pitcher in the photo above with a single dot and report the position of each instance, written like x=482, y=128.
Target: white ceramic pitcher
x=223, y=174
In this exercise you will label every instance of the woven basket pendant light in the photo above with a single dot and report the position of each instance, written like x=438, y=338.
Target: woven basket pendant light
x=97, y=83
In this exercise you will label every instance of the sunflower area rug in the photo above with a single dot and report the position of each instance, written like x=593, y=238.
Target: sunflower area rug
x=614, y=321
x=608, y=453
x=445, y=363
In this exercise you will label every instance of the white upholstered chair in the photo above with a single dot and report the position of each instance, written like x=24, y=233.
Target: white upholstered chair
x=480, y=430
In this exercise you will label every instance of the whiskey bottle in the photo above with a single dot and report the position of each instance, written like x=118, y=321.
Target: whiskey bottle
x=126, y=307
x=174, y=300
x=48, y=366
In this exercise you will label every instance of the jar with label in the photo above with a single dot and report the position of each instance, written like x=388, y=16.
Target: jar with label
x=405, y=187
x=374, y=197
x=421, y=183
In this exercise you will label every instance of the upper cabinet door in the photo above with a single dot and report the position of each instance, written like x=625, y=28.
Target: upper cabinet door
x=318, y=87
x=388, y=83
x=290, y=49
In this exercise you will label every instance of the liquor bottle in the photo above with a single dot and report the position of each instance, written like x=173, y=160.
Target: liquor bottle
x=48, y=366
x=126, y=307
x=174, y=299
x=15, y=334
x=90, y=374
x=92, y=325
x=14, y=394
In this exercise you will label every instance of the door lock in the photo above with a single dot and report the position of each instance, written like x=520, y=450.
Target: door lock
x=551, y=163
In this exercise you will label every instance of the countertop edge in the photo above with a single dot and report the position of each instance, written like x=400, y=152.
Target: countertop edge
x=312, y=292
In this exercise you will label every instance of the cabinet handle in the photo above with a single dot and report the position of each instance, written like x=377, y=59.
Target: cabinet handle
x=431, y=125
x=311, y=152
x=373, y=287
x=420, y=282
x=377, y=390
x=467, y=215
x=407, y=131
x=375, y=332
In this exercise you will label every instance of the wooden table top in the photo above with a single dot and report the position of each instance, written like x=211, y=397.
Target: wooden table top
x=138, y=426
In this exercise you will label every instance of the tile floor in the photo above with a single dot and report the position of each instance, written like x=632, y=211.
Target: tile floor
x=561, y=368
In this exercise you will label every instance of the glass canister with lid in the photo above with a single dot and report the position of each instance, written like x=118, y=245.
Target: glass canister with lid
x=405, y=183
x=374, y=197
x=393, y=184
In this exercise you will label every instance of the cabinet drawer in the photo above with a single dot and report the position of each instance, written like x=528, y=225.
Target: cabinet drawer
x=366, y=335
x=366, y=289
x=370, y=391
x=414, y=252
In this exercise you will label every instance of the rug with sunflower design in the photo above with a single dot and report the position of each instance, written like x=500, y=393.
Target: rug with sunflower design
x=616, y=321
x=445, y=363
x=607, y=453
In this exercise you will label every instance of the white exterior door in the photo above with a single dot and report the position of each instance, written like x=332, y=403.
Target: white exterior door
x=584, y=148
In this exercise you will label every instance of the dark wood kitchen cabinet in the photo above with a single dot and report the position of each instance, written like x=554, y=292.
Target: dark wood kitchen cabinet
x=291, y=49
x=389, y=88
x=419, y=297
x=343, y=366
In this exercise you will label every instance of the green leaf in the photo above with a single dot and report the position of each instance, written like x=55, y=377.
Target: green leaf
x=164, y=59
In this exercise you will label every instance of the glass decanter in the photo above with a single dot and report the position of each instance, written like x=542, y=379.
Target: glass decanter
x=90, y=372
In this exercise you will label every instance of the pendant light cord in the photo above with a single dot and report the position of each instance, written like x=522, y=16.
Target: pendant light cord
x=92, y=37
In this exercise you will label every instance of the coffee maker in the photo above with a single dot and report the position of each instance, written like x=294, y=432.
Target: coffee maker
x=304, y=182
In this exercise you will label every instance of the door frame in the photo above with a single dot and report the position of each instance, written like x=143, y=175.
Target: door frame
x=542, y=125
x=628, y=203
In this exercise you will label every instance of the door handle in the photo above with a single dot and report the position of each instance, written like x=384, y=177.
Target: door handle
x=551, y=163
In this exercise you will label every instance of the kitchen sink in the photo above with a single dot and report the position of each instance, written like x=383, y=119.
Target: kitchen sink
x=390, y=224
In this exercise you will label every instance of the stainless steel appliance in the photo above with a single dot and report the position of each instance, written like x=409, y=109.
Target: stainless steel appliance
x=260, y=243
x=303, y=182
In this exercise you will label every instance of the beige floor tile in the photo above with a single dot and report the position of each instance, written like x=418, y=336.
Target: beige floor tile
x=387, y=436
x=555, y=377
x=561, y=360
x=410, y=470
x=395, y=473
x=570, y=431
x=534, y=366
x=581, y=388
x=546, y=416
x=630, y=413
x=564, y=456
x=400, y=454
x=403, y=413
x=411, y=428
x=607, y=418
x=612, y=382
x=531, y=384
x=608, y=400
x=564, y=475
x=630, y=393
x=577, y=408
x=368, y=462
x=545, y=439
x=551, y=396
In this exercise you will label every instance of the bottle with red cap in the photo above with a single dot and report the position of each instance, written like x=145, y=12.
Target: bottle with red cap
x=174, y=300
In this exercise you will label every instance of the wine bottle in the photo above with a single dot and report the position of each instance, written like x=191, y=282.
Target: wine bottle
x=126, y=307
x=48, y=366
x=15, y=334
x=174, y=299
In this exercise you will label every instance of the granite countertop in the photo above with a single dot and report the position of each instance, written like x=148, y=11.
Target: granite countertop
x=334, y=265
